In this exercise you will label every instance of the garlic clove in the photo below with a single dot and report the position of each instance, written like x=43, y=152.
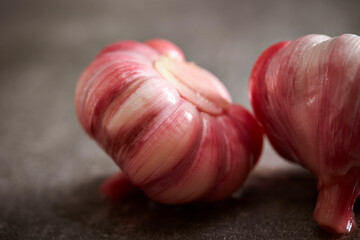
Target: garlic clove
x=237, y=143
x=137, y=110
x=195, y=84
x=127, y=110
x=130, y=46
x=196, y=173
x=101, y=92
x=166, y=48
x=162, y=149
x=250, y=134
x=102, y=80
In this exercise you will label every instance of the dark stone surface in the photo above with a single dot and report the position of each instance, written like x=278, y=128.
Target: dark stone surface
x=50, y=171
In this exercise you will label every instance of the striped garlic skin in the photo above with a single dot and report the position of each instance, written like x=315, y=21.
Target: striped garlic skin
x=168, y=124
x=306, y=94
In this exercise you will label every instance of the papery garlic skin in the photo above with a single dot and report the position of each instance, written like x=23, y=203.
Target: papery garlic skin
x=306, y=94
x=168, y=124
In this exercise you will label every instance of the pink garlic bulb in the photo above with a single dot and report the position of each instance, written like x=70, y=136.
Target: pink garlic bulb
x=167, y=123
x=306, y=94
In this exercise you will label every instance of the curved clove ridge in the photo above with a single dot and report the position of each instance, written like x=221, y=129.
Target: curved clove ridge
x=167, y=123
x=306, y=94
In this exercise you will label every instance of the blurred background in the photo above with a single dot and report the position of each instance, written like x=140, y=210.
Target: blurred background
x=50, y=171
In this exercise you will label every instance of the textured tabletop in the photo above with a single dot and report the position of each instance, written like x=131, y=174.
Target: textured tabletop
x=50, y=171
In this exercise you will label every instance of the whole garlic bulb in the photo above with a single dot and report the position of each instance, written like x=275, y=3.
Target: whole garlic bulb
x=167, y=123
x=306, y=94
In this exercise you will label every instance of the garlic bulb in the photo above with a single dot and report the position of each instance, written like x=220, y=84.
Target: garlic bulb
x=167, y=123
x=306, y=94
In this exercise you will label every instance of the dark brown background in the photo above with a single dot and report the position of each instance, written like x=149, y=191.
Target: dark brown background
x=50, y=171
